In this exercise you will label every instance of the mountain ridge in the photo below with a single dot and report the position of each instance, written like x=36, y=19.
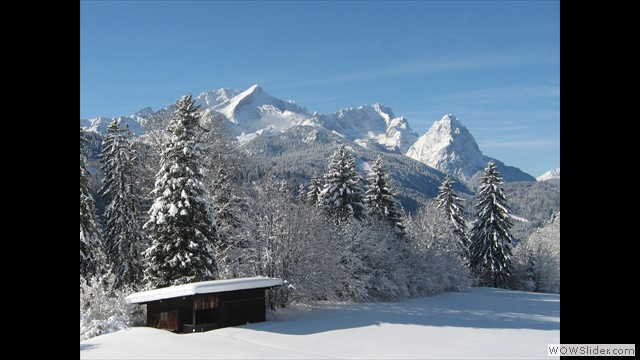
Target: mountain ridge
x=253, y=113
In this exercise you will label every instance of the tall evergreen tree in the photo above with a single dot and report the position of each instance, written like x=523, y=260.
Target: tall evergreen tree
x=380, y=200
x=182, y=223
x=451, y=204
x=490, y=251
x=123, y=237
x=91, y=252
x=314, y=188
x=342, y=195
x=302, y=194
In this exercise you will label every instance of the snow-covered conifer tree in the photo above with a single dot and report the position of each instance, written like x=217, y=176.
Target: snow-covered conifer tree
x=451, y=204
x=91, y=252
x=314, y=188
x=380, y=200
x=182, y=224
x=302, y=194
x=490, y=250
x=123, y=237
x=342, y=195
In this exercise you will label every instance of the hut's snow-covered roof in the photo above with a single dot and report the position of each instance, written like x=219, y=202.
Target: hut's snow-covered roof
x=203, y=287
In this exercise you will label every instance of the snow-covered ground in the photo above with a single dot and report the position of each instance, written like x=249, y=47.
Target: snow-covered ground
x=478, y=323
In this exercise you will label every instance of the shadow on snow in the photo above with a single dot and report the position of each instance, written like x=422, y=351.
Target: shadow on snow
x=87, y=346
x=490, y=309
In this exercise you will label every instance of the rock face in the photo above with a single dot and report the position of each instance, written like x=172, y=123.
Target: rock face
x=448, y=146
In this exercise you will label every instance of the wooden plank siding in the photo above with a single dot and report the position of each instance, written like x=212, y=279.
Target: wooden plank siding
x=206, y=301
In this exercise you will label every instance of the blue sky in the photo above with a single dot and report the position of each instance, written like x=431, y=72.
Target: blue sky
x=493, y=64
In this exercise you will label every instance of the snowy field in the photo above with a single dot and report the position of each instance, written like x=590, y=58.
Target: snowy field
x=479, y=323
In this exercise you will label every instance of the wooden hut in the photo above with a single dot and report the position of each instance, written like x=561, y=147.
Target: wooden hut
x=206, y=305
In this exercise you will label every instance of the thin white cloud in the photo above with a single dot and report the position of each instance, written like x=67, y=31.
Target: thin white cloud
x=520, y=144
x=498, y=95
x=429, y=64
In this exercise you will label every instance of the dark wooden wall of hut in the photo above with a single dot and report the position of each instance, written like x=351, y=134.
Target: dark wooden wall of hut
x=202, y=312
x=241, y=307
x=169, y=314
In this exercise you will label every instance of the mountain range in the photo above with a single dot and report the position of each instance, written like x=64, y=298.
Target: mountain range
x=260, y=121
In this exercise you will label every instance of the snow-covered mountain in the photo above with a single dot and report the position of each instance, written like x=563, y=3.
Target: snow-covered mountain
x=254, y=112
x=449, y=147
x=134, y=121
x=551, y=175
x=371, y=126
